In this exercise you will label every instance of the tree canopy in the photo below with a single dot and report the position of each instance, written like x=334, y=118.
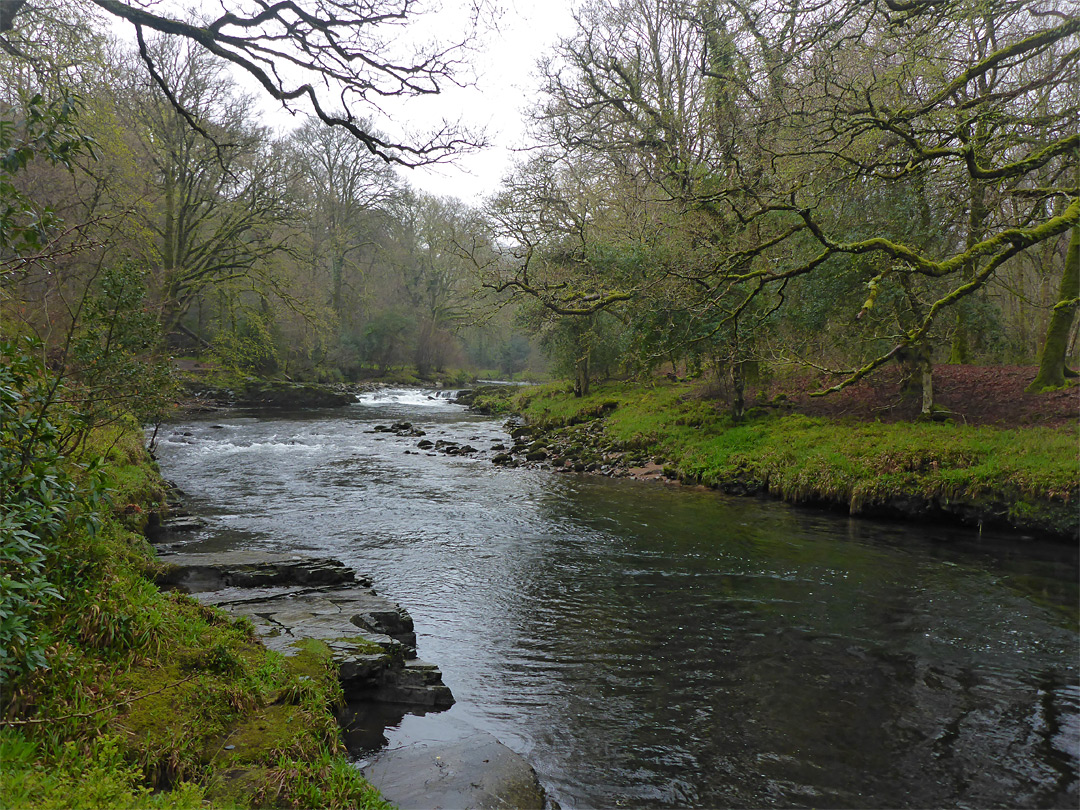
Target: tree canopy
x=765, y=146
x=718, y=185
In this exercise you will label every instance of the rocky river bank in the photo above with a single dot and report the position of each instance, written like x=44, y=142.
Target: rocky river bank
x=294, y=601
x=893, y=475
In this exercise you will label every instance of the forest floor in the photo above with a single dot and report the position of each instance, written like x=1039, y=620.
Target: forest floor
x=975, y=395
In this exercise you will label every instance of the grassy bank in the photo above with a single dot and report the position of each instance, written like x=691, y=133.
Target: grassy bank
x=1025, y=478
x=119, y=695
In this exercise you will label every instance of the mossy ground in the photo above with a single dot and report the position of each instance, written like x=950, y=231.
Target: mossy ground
x=152, y=699
x=1025, y=477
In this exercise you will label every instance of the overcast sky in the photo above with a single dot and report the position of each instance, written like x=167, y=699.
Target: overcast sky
x=505, y=87
x=504, y=64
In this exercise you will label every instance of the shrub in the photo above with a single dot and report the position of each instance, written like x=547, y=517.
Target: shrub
x=39, y=501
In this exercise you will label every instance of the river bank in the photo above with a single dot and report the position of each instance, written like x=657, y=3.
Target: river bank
x=217, y=679
x=148, y=698
x=1021, y=479
x=580, y=619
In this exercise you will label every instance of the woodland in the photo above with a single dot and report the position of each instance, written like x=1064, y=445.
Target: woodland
x=725, y=188
x=822, y=194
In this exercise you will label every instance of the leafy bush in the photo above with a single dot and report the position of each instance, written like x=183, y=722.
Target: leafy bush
x=116, y=366
x=39, y=501
x=44, y=130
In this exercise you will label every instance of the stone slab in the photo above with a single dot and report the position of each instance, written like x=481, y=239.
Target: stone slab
x=453, y=766
x=350, y=618
x=196, y=573
x=285, y=615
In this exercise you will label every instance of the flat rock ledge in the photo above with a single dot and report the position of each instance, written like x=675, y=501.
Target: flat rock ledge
x=454, y=767
x=292, y=598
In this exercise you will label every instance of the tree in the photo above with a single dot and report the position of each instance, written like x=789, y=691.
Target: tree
x=219, y=205
x=994, y=120
x=351, y=196
x=433, y=275
x=332, y=54
x=1053, y=358
x=768, y=130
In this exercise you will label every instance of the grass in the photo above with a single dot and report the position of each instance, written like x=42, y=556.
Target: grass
x=1028, y=477
x=151, y=699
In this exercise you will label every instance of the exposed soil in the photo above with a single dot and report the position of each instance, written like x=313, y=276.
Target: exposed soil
x=975, y=395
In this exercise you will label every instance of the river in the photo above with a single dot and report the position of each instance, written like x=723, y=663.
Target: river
x=645, y=645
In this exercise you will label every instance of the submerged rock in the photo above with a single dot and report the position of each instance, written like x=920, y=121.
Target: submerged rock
x=181, y=523
x=454, y=766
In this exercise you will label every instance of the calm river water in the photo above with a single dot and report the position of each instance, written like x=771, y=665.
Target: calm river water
x=652, y=646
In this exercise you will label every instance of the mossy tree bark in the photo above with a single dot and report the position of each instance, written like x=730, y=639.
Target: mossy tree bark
x=960, y=353
x=1052, y=367
x=582, y=374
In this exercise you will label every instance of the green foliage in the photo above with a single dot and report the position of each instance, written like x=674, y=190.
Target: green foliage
x=40, y=502
x=586, y=347
x=248, y=346
x=44, y=130
x=117, y=365
x=384, y=337
x=514, y=355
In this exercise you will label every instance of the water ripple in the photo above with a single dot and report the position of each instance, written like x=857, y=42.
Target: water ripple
x=657, y=647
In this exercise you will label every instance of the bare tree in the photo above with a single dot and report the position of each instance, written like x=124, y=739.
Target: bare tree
x=334, y=55
x=350, y=199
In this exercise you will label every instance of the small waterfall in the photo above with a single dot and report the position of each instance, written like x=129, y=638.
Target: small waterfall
x=411, y=397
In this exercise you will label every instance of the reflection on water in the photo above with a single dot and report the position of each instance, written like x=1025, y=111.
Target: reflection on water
x=652, y=646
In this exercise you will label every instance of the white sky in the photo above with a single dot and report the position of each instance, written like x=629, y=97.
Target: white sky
x=504, y=63
x=506, y=87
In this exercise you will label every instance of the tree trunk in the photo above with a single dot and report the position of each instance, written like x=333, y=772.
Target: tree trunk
x=738, y=387
x=961, y=342
x=918, y=377
x=581, y=381
x=1052, y=368
x=927, y=371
